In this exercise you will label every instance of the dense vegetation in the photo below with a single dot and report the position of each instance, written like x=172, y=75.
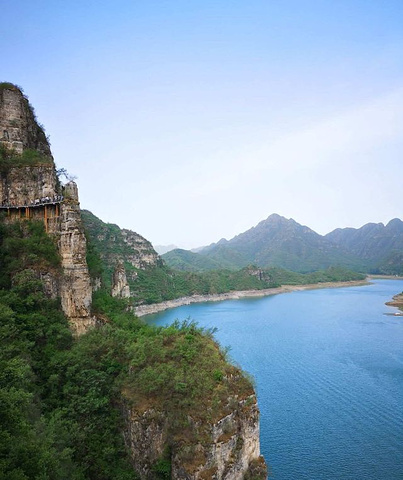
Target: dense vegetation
x=60, y=398
x=161, y=283
x=331, y=274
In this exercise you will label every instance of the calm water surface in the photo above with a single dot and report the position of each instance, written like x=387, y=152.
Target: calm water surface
x=328, y=366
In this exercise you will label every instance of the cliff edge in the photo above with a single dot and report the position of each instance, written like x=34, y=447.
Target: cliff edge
x=30, y=189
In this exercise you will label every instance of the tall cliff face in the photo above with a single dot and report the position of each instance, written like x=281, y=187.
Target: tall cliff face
x=28, y=174
x=229, y=449
x=76, y=291
x=120, y=287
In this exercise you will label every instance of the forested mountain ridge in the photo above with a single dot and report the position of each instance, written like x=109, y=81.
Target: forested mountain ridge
x=379, y=245
x=284, y=243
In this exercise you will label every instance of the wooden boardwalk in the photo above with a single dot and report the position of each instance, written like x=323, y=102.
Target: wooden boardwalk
x=49, y=211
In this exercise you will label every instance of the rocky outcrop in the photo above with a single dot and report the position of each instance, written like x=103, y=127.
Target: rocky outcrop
x=19, y=129
x=75, y=289
x=120, y=287
x=229, y=450
x=143, y=254
x=234, y=445
x=397, y=301
x=116, y=245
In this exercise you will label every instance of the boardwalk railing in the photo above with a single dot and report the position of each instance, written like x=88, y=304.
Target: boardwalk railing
x=31, y=205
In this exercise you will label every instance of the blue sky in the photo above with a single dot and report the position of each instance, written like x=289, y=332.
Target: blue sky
x=188, y=121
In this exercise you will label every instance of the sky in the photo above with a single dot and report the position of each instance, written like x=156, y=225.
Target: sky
x=189, y=121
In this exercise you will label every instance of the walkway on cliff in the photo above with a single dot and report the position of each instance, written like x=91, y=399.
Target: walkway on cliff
x=36, y=203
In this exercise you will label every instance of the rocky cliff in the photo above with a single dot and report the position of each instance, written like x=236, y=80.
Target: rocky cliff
x=204, y=421
x=22, y=185
x=231, y=451
x=120, y=287
x=27, y=177
x=75, y=289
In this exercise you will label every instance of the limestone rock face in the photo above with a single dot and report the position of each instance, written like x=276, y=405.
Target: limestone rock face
x=143, y=255
x=232, y=451
x=120, y=287
x=23, y=185
x=18, y=127
x=145, y=435
x=76, y=290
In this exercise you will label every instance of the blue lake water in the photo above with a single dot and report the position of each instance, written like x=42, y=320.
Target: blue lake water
x=328, y=366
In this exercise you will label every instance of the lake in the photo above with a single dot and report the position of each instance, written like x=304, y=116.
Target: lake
x=328, y=366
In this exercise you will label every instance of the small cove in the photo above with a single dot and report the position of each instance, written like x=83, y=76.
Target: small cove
x=328, y=366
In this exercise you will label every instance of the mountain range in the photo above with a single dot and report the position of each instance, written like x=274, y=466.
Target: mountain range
x=281, y=242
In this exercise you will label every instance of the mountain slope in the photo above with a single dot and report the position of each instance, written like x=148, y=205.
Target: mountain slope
x=284, y=243
x=380, y=246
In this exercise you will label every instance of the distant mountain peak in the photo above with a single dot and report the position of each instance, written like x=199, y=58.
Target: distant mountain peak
x=275, y=218
x=395, y=222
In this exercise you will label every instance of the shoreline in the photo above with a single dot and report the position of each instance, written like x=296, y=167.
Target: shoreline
x=142, y=310
x=385, y=277
x=397, y=301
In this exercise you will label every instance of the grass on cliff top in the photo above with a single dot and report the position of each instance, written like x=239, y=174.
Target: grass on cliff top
x=177, y=371
x=10, y=86
x=181, y=369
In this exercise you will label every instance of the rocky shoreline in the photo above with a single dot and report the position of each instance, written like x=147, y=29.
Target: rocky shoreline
x=397, y=301
x=142, y=310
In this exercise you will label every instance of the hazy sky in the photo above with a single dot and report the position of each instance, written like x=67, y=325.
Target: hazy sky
x=188, y=121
